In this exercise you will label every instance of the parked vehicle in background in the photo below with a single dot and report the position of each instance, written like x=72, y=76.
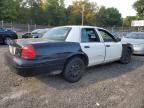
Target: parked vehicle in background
x=137, y=41
x=38, y=33
x=27, y=35
x=6, y=35
x=67, y=50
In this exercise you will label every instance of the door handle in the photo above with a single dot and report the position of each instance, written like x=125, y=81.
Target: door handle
x=107, y=45
x=86, y=46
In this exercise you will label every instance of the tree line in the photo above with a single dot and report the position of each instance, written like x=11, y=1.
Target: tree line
x=54, y=13
x=139, y=7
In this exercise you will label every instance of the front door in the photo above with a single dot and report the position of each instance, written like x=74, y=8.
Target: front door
x=113, y=48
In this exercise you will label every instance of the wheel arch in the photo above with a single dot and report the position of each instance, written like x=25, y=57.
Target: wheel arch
x=128, y=46
x=82, y=56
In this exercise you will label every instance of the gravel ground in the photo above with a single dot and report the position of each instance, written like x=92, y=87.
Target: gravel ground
x=112, y=85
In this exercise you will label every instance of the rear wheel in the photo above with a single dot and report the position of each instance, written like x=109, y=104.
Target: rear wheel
x=126, y=56
x=7, y=40
x=74, y=70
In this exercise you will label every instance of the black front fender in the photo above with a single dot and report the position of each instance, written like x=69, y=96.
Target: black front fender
x=128, y=46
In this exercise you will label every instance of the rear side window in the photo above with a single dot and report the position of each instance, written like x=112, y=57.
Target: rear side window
x=58, y=33
x=89, y=35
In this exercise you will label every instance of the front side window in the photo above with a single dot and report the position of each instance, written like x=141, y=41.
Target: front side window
x=59, y=33
x=107, y=37
x=89, y=35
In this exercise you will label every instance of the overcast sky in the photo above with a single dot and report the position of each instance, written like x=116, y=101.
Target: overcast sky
x=124, y=6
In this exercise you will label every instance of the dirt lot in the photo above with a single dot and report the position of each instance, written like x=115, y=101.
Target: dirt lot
x=108, y=86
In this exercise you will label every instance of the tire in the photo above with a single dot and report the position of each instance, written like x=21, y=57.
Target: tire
x=74, y=70
x=7, y=40
x=126, y=56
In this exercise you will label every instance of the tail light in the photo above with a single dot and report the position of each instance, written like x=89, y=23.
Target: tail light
x=28, y=52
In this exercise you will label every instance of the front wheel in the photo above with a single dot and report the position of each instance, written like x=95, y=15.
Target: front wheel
x=126, y=56
x=74, y=70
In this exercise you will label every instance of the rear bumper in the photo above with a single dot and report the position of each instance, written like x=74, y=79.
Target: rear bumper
x=33, y=68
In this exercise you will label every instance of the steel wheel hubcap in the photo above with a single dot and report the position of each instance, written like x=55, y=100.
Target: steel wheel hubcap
x=74, y=70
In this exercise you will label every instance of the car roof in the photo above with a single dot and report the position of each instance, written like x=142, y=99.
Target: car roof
x=136, y=32
x=81, y=26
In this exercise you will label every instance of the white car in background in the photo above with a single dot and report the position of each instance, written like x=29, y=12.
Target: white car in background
x=137, y=41
x=38, y=33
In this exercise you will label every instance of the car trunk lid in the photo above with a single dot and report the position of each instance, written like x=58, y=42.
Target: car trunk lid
x=16, y=46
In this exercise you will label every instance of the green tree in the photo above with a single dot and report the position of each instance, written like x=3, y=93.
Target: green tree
x=48, y=12
x=127, y=21
x=108, y=17
x=55, y=12
x=34, y=11
x=74, y=12
x=139, y=7
x=8, y=9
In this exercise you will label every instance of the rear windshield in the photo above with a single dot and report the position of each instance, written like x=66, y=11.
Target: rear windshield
x=43, y=31
x=58, y=33
x=135, y=36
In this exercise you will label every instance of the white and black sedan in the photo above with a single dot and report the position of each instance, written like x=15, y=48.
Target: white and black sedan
x=67, y=50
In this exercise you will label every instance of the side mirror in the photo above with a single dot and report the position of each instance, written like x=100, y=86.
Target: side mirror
x=118, y=39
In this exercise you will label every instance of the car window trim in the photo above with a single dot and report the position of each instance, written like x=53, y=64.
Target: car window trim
x=95, y=34
x=114, y=39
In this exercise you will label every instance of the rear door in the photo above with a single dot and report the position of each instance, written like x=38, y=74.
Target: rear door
x=113, y=48
x=92, y=46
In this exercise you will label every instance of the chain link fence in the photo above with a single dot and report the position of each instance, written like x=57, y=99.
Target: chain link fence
x=123, y=31
x=23, y=28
